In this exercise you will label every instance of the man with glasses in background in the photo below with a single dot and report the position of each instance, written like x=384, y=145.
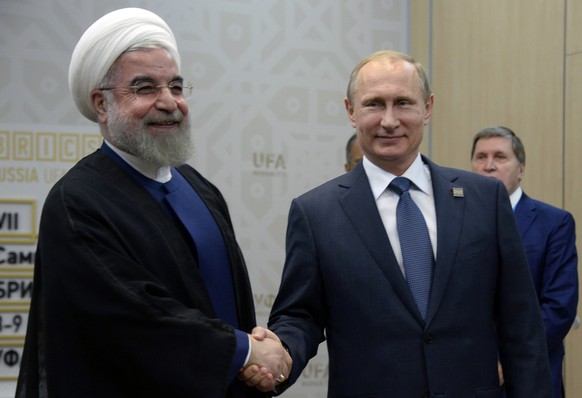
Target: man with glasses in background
x=140, y=287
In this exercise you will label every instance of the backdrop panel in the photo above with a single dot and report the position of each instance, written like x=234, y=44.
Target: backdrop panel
x=267, y=112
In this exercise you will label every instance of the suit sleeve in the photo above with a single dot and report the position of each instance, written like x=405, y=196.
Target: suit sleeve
x=559, y=290
x=298, y=311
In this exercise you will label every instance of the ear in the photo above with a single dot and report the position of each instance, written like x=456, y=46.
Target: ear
x=100, y=104
x=521, y=172
x=428, y=109
x=350, y=110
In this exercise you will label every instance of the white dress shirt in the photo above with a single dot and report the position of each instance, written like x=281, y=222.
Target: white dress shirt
x=386, y=200
x=515, y=197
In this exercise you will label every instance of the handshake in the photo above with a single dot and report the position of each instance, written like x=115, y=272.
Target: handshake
x=269, y=363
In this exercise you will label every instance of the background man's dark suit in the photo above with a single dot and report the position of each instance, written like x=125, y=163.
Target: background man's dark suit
x=549, y=235
x=341, y=278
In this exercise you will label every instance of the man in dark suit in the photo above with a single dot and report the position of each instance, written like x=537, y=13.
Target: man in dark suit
x=548, y=234
x=346, y=277
x=140, y=287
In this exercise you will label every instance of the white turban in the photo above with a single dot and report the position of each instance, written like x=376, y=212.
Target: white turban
x=105, y=40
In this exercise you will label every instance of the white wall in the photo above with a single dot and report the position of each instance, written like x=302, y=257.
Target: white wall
x=267, y=111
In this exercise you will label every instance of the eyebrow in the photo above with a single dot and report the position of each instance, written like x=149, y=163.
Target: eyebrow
x=147, y=79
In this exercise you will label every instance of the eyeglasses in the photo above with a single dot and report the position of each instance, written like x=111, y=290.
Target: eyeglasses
x=179, y=89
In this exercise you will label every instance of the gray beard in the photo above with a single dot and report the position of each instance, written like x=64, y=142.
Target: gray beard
x=159, y=150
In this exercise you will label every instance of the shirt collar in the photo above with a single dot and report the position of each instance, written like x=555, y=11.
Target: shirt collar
x=160, y=174
x=515, y=197
x=379, y=179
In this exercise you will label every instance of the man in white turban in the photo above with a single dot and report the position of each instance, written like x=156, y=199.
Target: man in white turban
x=104, y=41
x=140, y=288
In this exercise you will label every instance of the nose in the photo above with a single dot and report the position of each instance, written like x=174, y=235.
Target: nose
x=166, y=101
x=489, y=164
x=390, y=120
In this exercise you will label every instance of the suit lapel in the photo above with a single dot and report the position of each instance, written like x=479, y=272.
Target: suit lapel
x=449, y=206
x=525, y=214
x=358, y=204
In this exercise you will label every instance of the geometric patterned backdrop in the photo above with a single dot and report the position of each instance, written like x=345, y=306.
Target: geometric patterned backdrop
x=267, y=114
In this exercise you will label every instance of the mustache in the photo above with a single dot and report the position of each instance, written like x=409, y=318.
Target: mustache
x=175, y=117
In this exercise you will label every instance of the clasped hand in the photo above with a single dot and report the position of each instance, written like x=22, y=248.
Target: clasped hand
x=269, y=363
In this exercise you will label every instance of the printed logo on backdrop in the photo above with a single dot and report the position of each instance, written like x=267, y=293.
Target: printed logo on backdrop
x=263, y=303
x=17, y=224
x=269, y=164
x=36, y=156
x=315, y=373
x=31, y=162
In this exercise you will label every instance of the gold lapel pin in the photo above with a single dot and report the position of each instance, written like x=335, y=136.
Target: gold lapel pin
x=458, y=192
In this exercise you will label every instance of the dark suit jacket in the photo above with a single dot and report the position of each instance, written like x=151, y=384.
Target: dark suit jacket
x=119, y=308
x=549, y=236
x=341, y=278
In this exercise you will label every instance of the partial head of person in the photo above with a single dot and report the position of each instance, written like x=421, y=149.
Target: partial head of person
x=389, y=101
x=353, y=153
x=125, y=75
x=498, y=153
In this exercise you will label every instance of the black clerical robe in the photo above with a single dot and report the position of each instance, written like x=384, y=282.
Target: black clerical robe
x=119, y=308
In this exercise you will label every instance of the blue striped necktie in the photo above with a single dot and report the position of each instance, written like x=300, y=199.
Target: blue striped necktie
x=415, y=244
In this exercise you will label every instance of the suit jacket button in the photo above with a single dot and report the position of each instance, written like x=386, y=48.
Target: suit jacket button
x=428, y=339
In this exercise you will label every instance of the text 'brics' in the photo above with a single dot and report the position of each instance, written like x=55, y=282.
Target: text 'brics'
x=29, y=146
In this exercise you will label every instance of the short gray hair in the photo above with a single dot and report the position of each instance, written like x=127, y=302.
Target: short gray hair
x=505, y=132
x=392, y=56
